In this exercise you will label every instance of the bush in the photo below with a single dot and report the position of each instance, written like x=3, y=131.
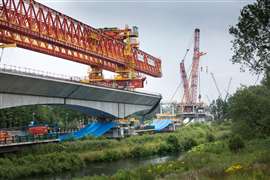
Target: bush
x=224, y=136
x=111, y=155
x=210, y=137
x=236, y=143
x=164, y=148
x=66, y=156
x=141, y=151
x=173, y=142
x=249, y=111
x=189, y=143
x=39, y=165
x=216, y=147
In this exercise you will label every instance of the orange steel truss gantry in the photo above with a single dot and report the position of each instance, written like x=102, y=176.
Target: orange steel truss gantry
x=34, y=26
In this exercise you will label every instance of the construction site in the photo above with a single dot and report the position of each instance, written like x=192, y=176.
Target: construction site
x=39, y=107
x=33, y=26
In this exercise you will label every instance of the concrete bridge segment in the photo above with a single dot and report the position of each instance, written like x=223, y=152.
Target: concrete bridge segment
x=18, y=89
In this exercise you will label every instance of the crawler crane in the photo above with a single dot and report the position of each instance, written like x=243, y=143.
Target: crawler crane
x=191, y=104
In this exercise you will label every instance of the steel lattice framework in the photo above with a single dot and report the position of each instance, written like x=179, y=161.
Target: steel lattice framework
x=39, y=28
x=195, y=67
x=191, y=88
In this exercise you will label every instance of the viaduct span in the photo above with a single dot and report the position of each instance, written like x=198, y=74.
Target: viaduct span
x=19, y=88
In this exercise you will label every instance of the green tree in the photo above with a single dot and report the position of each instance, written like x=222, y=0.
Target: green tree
x=236, y=143
x=21, y=116
x=249, y=111
x=266, y=79
x=251, y=42
x=219, y=109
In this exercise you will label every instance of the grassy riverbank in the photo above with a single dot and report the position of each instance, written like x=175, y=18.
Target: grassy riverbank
x=68, y=156
x=213, y=160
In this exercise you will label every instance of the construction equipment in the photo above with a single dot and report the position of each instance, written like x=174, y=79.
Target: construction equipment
x=126, y=76
x=3, y=46
x=186, y=96
x=38, y=130
x=216, y=85
x=190, y=101
x=34, y=26
x=7, y=45
x=218, y=90
x=208, y=99
x=228, y=89
x=4, y=136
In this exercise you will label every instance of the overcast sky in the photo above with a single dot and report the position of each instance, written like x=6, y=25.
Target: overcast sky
x=165, y=30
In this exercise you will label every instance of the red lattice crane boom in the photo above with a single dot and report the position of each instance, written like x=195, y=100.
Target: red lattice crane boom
x=195, y=67
x=190, y=96
x=34, y=26
x=186, y=97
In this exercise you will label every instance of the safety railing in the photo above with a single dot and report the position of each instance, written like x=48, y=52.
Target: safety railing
x=35, y=72
x=28, y=139
x=51, y=75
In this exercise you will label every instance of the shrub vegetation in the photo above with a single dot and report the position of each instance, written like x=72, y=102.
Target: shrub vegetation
x=236, y=143
x=212, y=160
x=72, y=155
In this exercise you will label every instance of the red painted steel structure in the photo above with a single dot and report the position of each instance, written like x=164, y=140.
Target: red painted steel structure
x=34, y=26
x=195, y=67
x=190, y=97
x=186, y=97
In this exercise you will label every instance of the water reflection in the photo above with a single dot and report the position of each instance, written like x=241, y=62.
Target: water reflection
x=108, y=168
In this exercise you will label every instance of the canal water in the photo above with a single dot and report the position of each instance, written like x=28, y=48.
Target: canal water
x=108, y=168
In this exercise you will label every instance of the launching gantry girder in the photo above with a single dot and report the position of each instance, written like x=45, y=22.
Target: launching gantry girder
x=34, y=26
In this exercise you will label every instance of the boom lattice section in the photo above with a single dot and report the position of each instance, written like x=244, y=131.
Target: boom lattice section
x=191, y=100
x=37, y=27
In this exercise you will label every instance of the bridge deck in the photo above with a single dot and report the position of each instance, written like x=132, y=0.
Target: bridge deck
x=27, y=81
x=22, y=88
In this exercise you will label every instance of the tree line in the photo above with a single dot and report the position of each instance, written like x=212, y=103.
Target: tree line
x=20, y=117
x=249, y=107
